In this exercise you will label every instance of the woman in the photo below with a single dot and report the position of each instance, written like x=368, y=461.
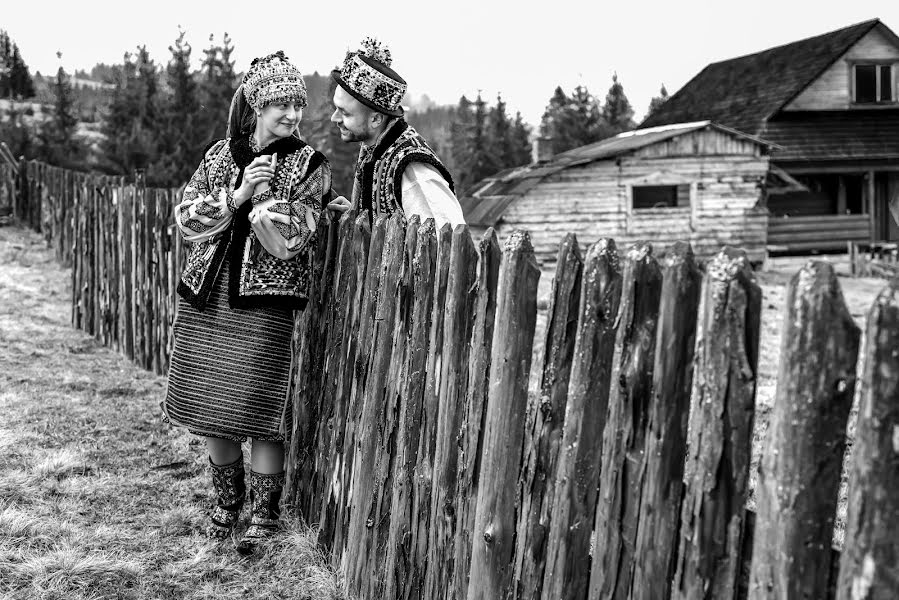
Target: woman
x=250, y=213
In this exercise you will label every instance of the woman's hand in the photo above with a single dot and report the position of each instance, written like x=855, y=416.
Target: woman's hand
x=258, y=173
x=339, y=204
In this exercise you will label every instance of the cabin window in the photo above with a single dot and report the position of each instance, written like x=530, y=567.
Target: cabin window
x=661, y=196
x=873, y=84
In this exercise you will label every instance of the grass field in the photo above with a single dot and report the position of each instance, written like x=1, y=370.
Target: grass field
x=98, y=498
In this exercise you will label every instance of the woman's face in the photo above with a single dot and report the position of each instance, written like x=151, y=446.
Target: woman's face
x=280, y=119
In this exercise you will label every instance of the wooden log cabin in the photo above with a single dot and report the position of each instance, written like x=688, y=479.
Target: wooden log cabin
x=699, y=182
x=830, y=103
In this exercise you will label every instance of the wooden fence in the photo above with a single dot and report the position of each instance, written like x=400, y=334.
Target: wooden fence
x=430, y=471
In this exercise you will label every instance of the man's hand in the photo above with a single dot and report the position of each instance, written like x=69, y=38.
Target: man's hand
x=339, y=204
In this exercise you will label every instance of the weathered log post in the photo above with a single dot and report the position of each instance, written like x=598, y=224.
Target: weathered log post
x=309, y=342
x=666, y=438
x=387, y=457
x=720, y=431
x=869, y=565
x=624, y=435
x=568, y=544
x=331, y=299
x=403, y=572
x=470, y=444
x=366, y=510
x=545, y=420
x=343, y=287
x=424, y=468
x=358, y=371
x=354, y=260
x=495, y=520
x=460, y=297
x=799, y=474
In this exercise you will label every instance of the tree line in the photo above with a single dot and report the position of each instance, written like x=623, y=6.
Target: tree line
x=160, y=117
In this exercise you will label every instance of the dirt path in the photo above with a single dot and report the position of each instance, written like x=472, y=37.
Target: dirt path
x=98, y=498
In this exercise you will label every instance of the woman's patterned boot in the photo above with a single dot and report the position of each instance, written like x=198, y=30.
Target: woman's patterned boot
x=230, y=491
x=265, y=495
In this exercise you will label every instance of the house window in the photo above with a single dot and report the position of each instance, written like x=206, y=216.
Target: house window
x=873, y=84
x=661, y=196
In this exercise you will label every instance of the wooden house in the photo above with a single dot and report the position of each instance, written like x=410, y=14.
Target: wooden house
x=831, y=105
x=700, y=182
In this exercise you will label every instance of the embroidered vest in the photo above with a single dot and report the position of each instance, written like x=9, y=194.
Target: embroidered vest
x=377, y=187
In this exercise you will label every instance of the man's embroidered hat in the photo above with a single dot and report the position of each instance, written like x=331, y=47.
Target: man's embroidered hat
x=366, y=75
x=273, y=79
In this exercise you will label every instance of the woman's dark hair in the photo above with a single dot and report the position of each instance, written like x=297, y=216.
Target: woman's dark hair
x=241, y=117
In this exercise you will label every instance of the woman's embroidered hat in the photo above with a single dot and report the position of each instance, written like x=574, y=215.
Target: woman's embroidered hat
x=366, y=75
x=271, y=79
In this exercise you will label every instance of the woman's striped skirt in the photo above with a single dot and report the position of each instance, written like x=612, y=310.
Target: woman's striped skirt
x=229, y=372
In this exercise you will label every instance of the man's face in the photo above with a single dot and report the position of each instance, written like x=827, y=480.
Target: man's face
x=352, y=118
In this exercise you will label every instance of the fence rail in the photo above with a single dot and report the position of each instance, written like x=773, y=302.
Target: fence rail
x=432, y=474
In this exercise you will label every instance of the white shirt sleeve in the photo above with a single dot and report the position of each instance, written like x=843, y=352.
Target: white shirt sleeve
x=427, y=194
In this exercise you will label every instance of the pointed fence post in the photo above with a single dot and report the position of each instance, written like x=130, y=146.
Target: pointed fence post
x=568, y=545
x=402, y=571
x=666, y=438
x=471, y=442
x=352, y=259
x=720, y=431
x=545, y=420
x=624, y=435
x=869, y=565
x=799, y=474
x=495, y=520
x=458, y=321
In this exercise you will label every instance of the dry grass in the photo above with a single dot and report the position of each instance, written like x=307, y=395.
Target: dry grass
x=98, y=498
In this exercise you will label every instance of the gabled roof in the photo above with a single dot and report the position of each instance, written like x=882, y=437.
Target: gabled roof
x=491, y=196
x=744, y=92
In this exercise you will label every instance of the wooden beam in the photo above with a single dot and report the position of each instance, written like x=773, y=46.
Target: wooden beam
x=871, y=197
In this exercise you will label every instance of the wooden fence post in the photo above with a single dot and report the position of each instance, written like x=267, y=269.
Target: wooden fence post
x=624, y=434
x=470, y=444
x=495, y=520
x=869, y=565
x=365, y=513
x=388, y=453
x=353, y=261
x=405, y=546
x=568, y=544
x=545, y=420
x=799, y=474
x=457, y=327
x=666, y=438
x=309, y=341
x=720, y=431
x=334, y=315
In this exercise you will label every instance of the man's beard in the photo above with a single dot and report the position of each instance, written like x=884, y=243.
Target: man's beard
x=350, y=136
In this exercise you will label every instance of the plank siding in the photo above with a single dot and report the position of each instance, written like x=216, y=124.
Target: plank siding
x=593, y=201
x=831, y=91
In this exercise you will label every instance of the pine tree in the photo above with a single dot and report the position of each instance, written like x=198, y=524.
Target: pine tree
x=131, y=125
x=617, y=112
x=181, y=140
x=57, y=138
x=19, y=78
x=218, y=81
x=657, y=101
x=520, y=143
x=573, y=121
x=461, y=140
x=499, y=136
x=552, y=123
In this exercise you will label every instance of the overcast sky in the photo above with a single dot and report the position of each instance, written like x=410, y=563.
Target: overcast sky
x=446, y=49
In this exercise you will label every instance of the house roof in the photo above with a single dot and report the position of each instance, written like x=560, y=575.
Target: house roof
x=842, y=135
x=744, y=92
x=491, y=196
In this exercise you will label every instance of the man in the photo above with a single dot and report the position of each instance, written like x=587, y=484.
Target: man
x=396, y=169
